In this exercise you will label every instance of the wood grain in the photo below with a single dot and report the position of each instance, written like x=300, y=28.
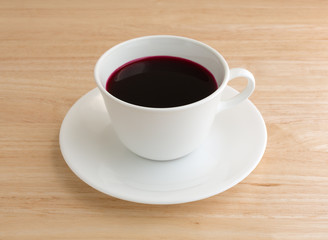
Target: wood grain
x=47, y=53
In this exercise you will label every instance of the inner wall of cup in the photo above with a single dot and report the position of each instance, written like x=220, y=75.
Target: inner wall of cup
x=157, y=46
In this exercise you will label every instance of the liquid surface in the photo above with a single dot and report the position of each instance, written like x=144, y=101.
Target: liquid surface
x=161, y=82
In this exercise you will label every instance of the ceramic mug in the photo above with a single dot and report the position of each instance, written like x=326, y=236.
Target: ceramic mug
x=167, y=133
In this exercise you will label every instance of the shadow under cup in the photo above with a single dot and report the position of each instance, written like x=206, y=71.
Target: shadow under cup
x=162, y=133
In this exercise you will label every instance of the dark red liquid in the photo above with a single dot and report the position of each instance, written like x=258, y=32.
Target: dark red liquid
x=161, y=81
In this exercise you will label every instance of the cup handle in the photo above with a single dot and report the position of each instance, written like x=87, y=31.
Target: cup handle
x=234, y=73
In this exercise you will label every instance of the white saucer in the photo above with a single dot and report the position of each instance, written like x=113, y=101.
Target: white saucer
x=93, y=152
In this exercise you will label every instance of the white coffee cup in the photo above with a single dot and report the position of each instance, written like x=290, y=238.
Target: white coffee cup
x=167, y=133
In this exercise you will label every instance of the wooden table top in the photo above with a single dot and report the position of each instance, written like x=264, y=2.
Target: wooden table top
x=48, y=50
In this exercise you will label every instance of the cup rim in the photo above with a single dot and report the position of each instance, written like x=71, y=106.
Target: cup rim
x=177, y=108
